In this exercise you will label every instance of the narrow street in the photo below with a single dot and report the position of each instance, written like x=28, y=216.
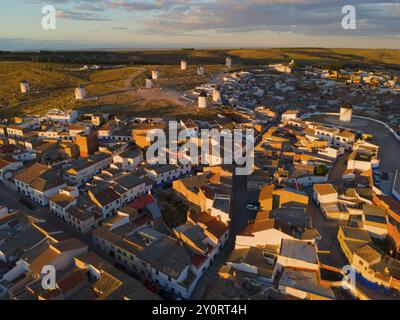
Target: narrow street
x=328, y=230
x=239, y=218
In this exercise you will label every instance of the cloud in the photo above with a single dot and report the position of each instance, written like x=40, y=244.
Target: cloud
x=305, y=17
x=121, y=28
x=127, y=5
x=146, y=5
x=309, y=17
x=79, y=15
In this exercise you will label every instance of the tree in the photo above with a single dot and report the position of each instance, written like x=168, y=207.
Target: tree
x=321, y=170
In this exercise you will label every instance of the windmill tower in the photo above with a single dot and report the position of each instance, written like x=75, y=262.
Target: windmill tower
x=155, y=74
x=149, y=82
x=25, y=86
x=346, y=112
x=229, y=62
x=200, y=71
x=184, y=64
x=217, y=95
x=80, y=93
x=203, y=100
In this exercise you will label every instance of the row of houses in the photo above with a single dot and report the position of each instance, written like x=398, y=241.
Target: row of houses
x=172, y=261
x=33, y=244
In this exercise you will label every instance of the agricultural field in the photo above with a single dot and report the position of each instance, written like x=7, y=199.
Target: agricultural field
x=321, y=56
x=324, y=56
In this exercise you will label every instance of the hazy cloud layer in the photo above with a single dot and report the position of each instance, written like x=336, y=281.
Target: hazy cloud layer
x=306, y=17
x=299, y=16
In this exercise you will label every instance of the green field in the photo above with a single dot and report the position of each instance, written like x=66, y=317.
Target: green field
x=53, y=76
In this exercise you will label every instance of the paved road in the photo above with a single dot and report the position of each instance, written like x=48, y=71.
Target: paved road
x=10, y=198
x=377, y=294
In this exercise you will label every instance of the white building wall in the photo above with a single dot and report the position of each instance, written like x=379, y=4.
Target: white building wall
x=267, y=237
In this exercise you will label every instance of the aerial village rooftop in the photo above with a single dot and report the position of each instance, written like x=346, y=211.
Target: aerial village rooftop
x=78, y=193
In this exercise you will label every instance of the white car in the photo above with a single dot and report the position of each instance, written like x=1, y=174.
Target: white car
x=252, y=207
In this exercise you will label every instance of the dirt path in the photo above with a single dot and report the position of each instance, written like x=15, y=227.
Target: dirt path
x=128, y=81
x=162, y=94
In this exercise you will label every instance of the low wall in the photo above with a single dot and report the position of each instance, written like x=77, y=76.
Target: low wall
x=391, y=130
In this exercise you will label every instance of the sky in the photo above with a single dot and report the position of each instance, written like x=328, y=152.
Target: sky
x=93, y=24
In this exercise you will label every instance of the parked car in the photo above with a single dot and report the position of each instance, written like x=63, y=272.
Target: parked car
x=252, y=207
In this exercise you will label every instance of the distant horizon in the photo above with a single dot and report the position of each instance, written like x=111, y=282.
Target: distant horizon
x=189, y=48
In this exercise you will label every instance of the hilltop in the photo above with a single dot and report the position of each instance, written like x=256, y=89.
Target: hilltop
x=52, y=86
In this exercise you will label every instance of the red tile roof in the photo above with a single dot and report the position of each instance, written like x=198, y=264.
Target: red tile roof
x=198, y=260
x=142, y=202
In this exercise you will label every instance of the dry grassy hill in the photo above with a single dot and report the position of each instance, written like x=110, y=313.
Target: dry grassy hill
x=113, y=90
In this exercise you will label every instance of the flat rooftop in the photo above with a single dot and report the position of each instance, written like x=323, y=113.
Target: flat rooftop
x=299, y=250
